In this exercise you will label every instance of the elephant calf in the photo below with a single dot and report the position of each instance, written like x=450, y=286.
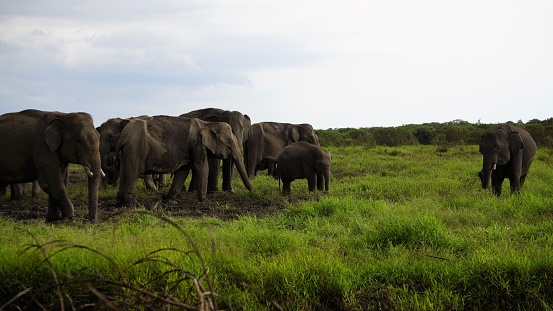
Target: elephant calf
x=304, y=160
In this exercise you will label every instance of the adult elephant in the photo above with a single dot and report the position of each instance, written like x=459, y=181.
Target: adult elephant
x=165, y=144
x=110, y=131
x=269, y=138
x=240, y=125
x=40, y=146
x=508, y=152
x=304, y=160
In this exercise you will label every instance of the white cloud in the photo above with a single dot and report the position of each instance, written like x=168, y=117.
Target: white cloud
x=333, y=64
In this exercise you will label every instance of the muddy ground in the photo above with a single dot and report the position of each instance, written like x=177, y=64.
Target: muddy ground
x=221, y=205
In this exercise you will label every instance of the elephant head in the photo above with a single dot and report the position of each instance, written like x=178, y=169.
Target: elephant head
x=109, y=135
x=218, y=138
x=304, y=132
x=497, y=147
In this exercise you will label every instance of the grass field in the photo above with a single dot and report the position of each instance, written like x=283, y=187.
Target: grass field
x=402, y=228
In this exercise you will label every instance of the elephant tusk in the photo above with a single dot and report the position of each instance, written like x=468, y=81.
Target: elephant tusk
x=494, y=166
x=88, y=172
x=102, y=173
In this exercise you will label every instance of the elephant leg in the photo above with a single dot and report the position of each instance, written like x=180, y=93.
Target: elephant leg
x=178, y=183
x=53, y=209
x=286, y=189
x=58, y=201
x=312, y=181
x=18, y=191
x=127, y=187
x=515, y=184
x=497, y=183
x=320, y=182
x=271, y=169
x=213, y=176
x=522, y=179
x=162, y=181
x=193, y=182
x=227, y=175
x=201, y=171
x=35, y=189
x=149, y=182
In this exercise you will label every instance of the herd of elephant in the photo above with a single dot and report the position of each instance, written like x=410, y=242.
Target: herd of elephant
x=38, y=146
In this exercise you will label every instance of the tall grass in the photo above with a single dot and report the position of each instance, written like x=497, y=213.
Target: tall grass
x=403, y=228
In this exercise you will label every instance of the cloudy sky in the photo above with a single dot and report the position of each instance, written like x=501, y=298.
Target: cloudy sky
x=333, y=64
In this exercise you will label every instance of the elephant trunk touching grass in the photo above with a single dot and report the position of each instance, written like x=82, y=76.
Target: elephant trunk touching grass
x=239, y=163
x=95, y=174
x=489, y=165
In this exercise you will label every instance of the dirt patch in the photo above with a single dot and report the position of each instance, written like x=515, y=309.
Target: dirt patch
x=222, y=205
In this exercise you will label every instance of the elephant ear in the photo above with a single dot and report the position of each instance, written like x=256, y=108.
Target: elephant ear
x=295, y=134
x=124, y=123
x=515, y=142
x=53, y=135
x=209, y=138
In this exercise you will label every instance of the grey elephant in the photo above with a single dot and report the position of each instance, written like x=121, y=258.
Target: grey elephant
x=40, y=147
x=508, y=152
x=241, y=127
x=269, y=138
x=304, y=160
x=165, y=144
x=110, y=131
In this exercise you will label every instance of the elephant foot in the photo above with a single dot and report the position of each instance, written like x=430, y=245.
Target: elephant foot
x=202, y=198
x=126, y=200
x=168, y=198
x=228, y=189
x=212, y=191
x=60, y=219
x=170, y=201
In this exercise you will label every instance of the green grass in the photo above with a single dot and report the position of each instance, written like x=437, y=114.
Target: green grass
x=402, y=228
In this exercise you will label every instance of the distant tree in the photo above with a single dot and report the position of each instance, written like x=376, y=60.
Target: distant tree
x=440, y=134
x=425, y=134
x=456, y=134
x=393, y=136
x=360, y=137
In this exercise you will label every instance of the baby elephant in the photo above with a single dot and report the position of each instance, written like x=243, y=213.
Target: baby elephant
x=304, y=160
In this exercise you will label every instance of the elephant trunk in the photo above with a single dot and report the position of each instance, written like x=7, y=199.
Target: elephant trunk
x=326, y=175
x=94, y=177
x=242, y=171
x=489, y=165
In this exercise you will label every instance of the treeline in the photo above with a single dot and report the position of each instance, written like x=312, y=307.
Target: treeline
x=456, y=132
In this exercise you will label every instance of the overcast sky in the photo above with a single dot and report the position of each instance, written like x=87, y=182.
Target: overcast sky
x=333, y=64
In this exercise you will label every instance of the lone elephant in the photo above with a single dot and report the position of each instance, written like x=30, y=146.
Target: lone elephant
x=40, y=146
x=165, y=144
x=110, y=131
x=508, y=152
x=304, y=160
x=241, y=127
x=269, y=138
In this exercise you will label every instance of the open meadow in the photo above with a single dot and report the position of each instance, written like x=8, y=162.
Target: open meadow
x=402, y=228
